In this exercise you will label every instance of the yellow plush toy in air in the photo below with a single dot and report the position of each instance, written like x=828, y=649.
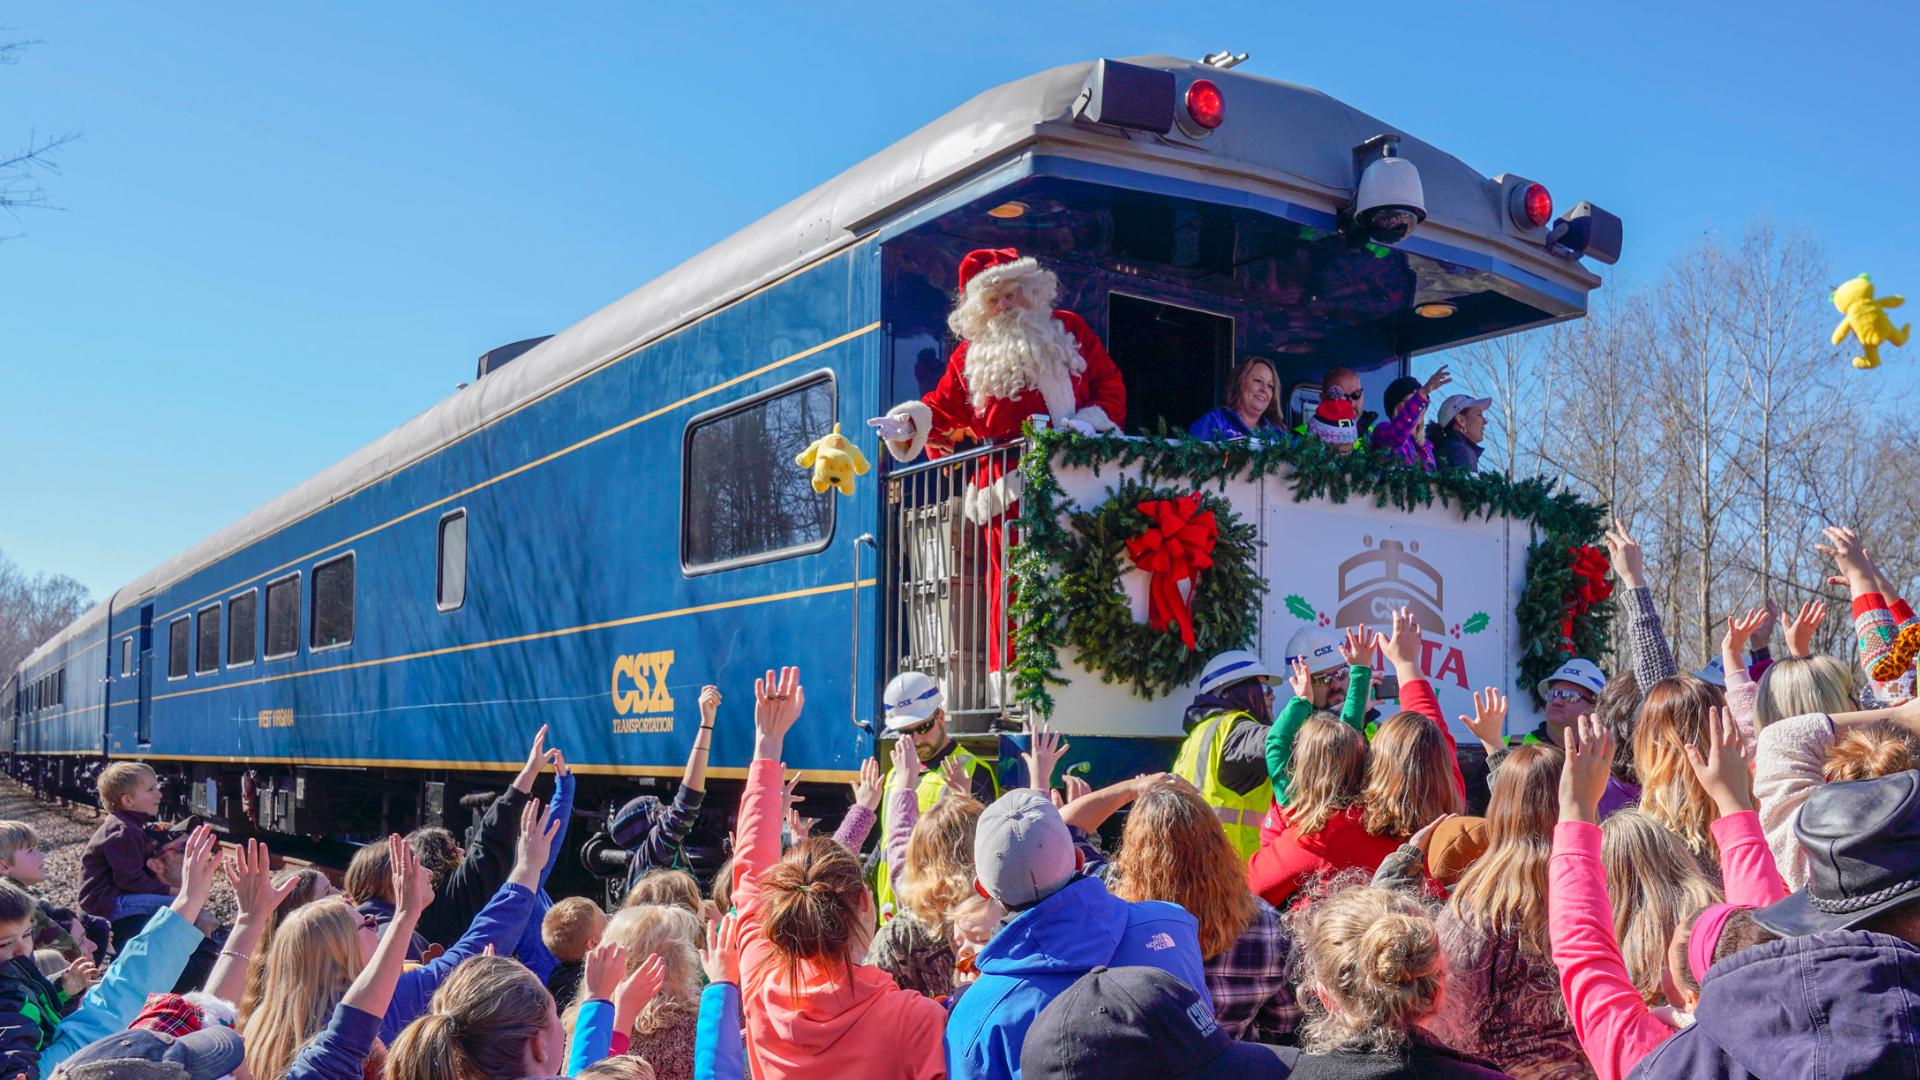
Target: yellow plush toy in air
x=834, y=461
x=1867, y=319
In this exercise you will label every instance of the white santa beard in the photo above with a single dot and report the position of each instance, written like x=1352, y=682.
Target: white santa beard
x=1023, y=349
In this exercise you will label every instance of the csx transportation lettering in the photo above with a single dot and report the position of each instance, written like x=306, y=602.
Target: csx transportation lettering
x=640, y=692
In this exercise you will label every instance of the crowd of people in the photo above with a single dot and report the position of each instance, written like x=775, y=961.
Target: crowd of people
x=1671, y=878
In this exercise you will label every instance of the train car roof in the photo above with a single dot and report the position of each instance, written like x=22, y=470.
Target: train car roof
x=1290, y=139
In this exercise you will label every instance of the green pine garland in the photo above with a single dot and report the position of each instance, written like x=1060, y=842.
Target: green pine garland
x=1041, y=605
x=1102, y=630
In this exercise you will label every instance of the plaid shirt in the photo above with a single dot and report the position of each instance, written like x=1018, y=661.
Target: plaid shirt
x=1252, y=993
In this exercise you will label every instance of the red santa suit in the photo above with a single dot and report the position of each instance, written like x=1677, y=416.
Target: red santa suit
x=1030, y=361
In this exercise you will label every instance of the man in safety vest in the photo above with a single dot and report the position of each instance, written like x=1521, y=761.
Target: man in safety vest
x=1225, y=752
x=915, y=715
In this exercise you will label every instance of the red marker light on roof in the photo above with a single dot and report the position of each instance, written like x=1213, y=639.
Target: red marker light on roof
x=1534, y=207
x=1205, y=104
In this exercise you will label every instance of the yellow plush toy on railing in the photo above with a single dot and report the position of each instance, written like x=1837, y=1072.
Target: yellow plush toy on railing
x=834, y=460
x=1866, y=318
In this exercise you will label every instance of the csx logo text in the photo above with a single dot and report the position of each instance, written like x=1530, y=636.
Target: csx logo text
x=640, y=683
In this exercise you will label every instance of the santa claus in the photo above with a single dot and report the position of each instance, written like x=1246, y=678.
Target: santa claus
x=1019, y=358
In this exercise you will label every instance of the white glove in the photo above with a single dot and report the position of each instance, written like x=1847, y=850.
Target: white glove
x=892, y=428
x=1078, y=427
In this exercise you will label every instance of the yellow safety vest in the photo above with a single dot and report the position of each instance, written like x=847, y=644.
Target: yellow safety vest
x=928, y=792
x=1199, y=765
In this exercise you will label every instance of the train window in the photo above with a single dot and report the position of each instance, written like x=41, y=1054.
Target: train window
x=332, y=620
x=242, y=613
x=450, y=583
x=206, y=651
x=178, y=636
x=742, y=501
x=126, y=655
x=283, y=617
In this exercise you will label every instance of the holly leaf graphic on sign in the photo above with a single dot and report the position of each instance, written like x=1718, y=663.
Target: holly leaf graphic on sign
x=1298, y=607
x=1475, y=623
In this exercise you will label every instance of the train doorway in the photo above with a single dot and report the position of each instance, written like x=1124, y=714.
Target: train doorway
x=1175, y=360
x=145, y=710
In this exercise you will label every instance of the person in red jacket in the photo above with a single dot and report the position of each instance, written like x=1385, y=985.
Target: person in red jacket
x=1019, y=358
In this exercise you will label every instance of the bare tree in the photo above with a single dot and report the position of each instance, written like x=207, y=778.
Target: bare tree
x=33, y=608
x=23, y=169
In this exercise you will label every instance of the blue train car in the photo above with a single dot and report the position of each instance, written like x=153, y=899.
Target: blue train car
x=587, y=534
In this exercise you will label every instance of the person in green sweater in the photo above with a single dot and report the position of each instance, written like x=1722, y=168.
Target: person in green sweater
x=1311, y=693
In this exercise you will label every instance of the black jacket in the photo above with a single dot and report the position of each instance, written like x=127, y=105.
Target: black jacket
x=488, y=861
x=1422, y=1059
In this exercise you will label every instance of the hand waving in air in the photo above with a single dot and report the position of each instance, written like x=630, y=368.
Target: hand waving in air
x=1722, y=768
x=1583, y=777
x=1489, y=720
x=1800, y=628
x=1045, y=754
x=777, y=701
x=1629, y=562
x=866, y=790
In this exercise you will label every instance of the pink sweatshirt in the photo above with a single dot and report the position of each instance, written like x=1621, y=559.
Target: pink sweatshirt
x=1614, y=1026
x=841, y=1021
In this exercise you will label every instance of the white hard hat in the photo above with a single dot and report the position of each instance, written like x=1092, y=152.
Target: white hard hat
x=1232, y=666
x=1582, y=673
x=910, y=699
x=1319, y=646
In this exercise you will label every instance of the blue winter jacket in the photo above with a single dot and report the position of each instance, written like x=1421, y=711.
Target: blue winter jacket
x=1043, y=950
x=152, y=961
x=498, y=924
x=340, y=1051
x=532, y=951
x=592, y=1035
x=1833, y=1005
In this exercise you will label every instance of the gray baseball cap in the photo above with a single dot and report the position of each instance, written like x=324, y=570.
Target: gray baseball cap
x=139, y=1054
x=1022, y=852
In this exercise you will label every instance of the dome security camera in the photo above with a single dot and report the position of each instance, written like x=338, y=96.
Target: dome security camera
x=1389, y=201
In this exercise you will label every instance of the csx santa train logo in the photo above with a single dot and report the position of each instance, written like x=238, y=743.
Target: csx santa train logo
x=640, y=694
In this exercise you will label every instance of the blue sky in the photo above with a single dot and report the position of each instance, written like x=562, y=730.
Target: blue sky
x=290, y=227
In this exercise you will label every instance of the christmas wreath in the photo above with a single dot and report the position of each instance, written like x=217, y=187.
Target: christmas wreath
x=1560, y=612
x=1176, y=536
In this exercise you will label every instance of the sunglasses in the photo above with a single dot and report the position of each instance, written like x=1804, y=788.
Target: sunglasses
x=920, y=728
x=1569, y=695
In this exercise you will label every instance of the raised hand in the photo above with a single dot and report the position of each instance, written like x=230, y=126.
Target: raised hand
x=1438, y=379
x=866, y=790
x=709, y=705
x=1403, y=648
x=198, y=865
x=605, y=964
x=1629, y=562
x=721, y=957
x=533, y=846
x=1046, y=752
x=955, y=775
x=636, y=990
x=1489, y=720
x=559, y=762
x=777, y=700
x=1739, y=631
x=250, y=870
x=412, y=884
x=1355, y=650
x=1800, y=628
x=79, y=975
x=1075, y=787
x=1583, y=776
x=907, y=763
x=1843, y=547
x=1722, y=768
x=799, y=827
x=1302, y=680
x=536, y=762
x=790, y=796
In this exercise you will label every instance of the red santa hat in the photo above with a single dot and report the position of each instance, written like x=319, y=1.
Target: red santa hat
x=1332, y=422
x=984, y=259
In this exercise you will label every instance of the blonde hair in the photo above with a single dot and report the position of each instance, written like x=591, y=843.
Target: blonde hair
x=1371, y=968
x=1329, y=768
x=477, y=1026
x=617, y=1067
x=16, y=837
x=1409, y=776
x=1800, y=685
x=938, y=870
x=572, y=927
x=668, y=932
x=1505, y=890
x=369, y=874
x=721, y=892
x=1881, y=748
x=674, y=888
x=315, y=956
x=1654, y=881
x=120, y=778
x=309, y=884
x=1173, y=848
x=1673, y=717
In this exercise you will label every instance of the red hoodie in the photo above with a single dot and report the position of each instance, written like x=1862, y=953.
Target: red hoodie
x=832, y=1027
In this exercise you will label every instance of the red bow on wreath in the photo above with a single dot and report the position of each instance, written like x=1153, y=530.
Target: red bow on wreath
x=1177, y=546
x=1589, y=568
